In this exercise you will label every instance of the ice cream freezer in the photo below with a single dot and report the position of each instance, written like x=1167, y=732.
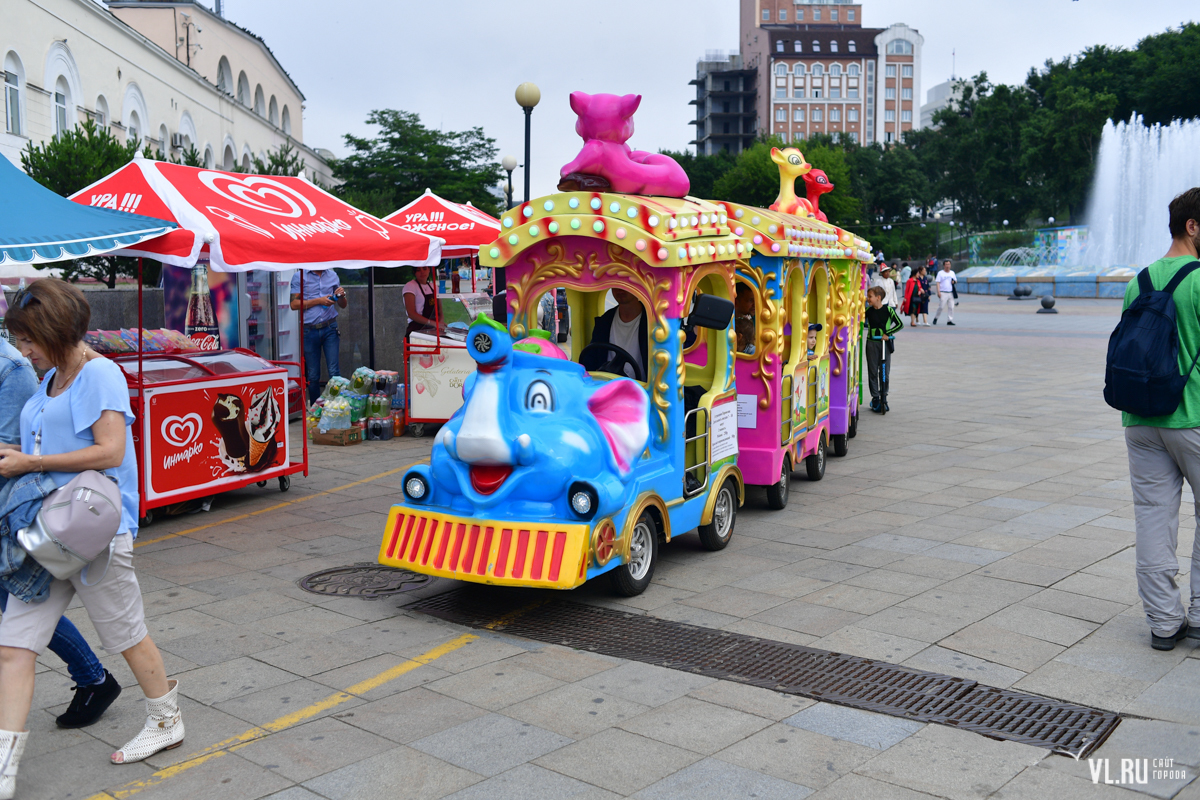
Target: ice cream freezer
x=209, y=422
x=437, y=365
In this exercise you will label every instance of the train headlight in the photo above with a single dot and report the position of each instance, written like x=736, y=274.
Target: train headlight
x=415, y=487
x=583, y=500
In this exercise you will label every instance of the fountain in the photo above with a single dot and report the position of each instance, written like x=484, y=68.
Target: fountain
x=1139, y=171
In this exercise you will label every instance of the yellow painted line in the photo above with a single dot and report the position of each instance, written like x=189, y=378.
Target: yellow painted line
x=512, y=615
x=287, y=721
x=275, y=507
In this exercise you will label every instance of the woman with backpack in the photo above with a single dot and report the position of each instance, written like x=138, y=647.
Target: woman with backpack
x=78, y=420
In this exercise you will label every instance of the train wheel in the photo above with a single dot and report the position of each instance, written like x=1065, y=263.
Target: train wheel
x=815, y=464
x=850, y=434
x=777, y=494
x=840, y=445
x=717, y=533
x=631, y=578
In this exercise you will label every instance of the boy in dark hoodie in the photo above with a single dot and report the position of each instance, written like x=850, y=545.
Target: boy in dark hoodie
x=881, y=324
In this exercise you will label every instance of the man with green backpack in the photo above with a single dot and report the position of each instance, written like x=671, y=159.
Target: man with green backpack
x=1150, y=377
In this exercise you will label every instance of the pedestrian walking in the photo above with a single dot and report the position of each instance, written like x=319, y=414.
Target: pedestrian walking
x=884, y=281
x=921, y=293
x=944, y=282
x=79, y=419
x=881, y=323
x=1164, y=450
x=95, y=687
x=322, y=291
x=905, y=276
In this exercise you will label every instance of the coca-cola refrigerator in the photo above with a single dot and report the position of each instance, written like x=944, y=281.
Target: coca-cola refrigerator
x=267, y=324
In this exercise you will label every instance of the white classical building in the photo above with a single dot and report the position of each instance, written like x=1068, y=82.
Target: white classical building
x=171, y=74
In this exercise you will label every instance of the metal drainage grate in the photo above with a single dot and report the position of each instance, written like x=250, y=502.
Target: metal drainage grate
x=833, y=677
x=363, y=580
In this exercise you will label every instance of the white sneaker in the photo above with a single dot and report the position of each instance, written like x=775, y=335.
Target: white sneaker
x=163, y=730
x=12, y=745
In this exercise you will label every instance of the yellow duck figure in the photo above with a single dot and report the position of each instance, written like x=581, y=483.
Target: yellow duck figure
x=791, y=166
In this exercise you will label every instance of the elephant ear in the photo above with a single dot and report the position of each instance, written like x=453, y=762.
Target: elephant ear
x=622, y=409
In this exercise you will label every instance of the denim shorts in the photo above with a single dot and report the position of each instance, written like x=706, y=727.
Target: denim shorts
x=114, y=606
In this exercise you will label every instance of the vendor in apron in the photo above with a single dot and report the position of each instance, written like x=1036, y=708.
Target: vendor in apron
x=420, y=301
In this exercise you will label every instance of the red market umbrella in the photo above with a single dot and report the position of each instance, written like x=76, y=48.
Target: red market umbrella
x=248, y=222
x=463, y=227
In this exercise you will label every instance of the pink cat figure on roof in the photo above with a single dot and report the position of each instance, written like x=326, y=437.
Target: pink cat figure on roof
x=605, y=123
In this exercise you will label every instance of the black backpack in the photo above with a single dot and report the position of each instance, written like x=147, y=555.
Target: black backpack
x=1142, y=372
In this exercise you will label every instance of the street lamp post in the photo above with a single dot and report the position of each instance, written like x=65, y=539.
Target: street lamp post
x=509, y=164
x=528, y=95
x=937, y=235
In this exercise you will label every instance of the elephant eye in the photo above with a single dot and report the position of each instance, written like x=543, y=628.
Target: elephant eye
x=793, y=159
x=539, y=397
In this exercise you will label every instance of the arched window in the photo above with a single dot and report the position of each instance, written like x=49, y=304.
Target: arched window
x=779, y=46
x=133, y=130
x=798, y=69
x=229, y=160
x=852, y=70
x=208, y=157
x=260, y=102
x=14, y=94
x=818, y=69
x=799, y=48
x=62, y=101
x=101, y=112
x=900, y=47
x=853, y=48
x=243, y=90
x=816, y=46
x=273, y=112
x=835, y=70
x=224, y=76
x=245, y=162
x=164, y=139
x=781, y=69
x=833, y=47
x=285, y=121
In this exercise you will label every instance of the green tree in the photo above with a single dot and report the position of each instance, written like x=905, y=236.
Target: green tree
x=284, y=160
x=754, y=178
x=76, y=158
x=72, y=160
x=406, y=158
x=1059, y=145
x=702, y=171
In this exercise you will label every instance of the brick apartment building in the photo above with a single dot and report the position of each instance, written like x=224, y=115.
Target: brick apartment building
x=814, y=69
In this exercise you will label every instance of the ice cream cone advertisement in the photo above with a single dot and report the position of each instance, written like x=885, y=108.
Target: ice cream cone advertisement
x=222, y=432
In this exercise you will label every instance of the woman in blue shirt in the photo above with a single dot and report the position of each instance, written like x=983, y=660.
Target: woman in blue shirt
x=95, y=688
x=79, y=419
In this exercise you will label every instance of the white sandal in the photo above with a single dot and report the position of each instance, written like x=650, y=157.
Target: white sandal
x=12, y=745
x=163, y=731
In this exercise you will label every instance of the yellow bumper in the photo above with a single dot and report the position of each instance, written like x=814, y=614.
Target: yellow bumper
x=505, y=553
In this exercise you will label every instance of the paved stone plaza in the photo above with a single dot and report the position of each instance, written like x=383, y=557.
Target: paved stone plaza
x=983, y=528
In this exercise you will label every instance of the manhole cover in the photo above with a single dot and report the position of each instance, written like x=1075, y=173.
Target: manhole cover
x=365, y=580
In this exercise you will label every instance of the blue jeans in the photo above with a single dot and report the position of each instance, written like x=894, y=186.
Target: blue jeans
x=325, y=340
x=69, y=645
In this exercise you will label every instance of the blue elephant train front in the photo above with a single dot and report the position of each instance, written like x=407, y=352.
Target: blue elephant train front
x=525, y=478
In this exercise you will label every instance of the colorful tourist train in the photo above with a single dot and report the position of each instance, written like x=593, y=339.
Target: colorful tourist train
x=565, y=465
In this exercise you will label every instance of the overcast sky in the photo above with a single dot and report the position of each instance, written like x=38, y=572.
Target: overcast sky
x=457, y=64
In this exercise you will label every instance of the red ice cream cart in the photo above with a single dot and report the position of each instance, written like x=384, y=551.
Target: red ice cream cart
x=212, y=420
